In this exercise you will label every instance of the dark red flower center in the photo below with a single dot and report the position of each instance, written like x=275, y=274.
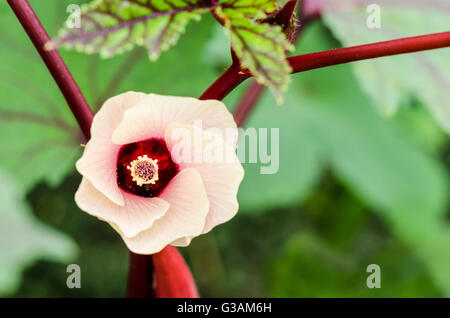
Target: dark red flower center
x=144, y=168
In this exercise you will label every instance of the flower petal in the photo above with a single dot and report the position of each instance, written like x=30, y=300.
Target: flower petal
x=136, y=215
x=182, y=242
x=221, y=175
x=185, y=217
x=98, y=163
x=151, y=116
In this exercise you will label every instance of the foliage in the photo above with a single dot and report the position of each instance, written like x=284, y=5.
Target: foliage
x=386, y=203
x=391, y=81
x=114, y=26
x=280, y=262
x=23, y=239
x=260, y=47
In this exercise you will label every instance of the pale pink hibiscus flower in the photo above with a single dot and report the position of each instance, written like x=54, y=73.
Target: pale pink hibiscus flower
x=134, y=178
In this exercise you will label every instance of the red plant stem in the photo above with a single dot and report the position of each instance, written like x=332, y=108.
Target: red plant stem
x=172, y=276
x=248, y=100
x=140, y=276
x=55, y=64
x=306, y=62
x=231, y=78
x=312, y=61
x=255, y=90
x=162, y=275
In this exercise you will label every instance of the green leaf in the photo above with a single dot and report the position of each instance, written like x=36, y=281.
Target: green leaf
x=312, y=267
x=111, y=27
x=23, y=239
x=260, y=47
x=391, y=81
x=252, y=9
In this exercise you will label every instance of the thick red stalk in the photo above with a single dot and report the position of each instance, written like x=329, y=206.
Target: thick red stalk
x=172, y=276
x=162, y=275
x=312, y=61
x=140, y=276
x=55, y=64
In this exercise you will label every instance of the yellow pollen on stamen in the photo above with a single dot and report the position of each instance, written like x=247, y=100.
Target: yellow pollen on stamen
x=144, y=170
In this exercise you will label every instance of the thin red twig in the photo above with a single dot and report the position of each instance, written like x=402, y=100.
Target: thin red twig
x=301, y=63
x=247, y=102
x=255, y=90
x=312, y=61
x=55, y=64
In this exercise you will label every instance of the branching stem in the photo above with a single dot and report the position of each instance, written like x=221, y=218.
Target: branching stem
x=312, y=61
x=233, y=76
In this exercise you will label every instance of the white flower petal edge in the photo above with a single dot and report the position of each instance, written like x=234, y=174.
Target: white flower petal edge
x=152, y=115
x=221, y=178
x=182, y=242
x=138, y=213
x=189, y=206
x=95, y=163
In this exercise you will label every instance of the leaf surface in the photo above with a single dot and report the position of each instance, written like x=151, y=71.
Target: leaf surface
x=23, y=239
x=110, y=27
x=260, y=47
x=393, y=81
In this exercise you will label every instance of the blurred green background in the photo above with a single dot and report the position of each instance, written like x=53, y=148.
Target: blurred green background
x=363, y=178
